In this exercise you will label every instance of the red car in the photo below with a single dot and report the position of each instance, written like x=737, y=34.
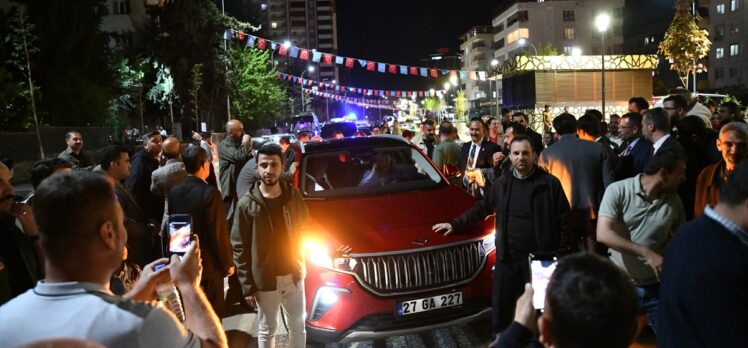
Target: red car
x=381, y=195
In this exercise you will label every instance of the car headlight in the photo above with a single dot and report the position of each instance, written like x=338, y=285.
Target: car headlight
x=318, y=253
x=489, y=242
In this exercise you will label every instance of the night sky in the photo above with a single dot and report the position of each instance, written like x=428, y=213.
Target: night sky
x=402, y=32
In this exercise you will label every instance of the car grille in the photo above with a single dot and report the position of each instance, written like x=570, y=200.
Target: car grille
x=396, y=274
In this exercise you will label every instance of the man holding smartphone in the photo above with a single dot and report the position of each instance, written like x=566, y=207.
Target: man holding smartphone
x=266, y=239
x=196, y=198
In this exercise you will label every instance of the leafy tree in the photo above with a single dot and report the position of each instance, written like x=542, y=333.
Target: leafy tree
x=162, y=91
x=685, y=42
x=131, y=73
x=196, y=80
x=73, y=65
x=256, y=95
x=461, y=105
x=23, y=41
x=431, y=104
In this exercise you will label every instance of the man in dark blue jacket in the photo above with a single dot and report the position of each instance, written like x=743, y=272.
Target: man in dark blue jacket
x=635, y=151
x=703, y=298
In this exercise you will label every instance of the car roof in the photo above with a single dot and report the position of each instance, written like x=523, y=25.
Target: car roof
x=343, y=143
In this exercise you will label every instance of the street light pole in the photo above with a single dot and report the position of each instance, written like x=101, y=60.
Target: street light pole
x=494, y=64
x=601, y=22
x=523, y=42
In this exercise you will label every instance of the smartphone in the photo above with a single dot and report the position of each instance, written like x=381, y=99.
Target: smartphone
x=541, y=269
x=180, y=233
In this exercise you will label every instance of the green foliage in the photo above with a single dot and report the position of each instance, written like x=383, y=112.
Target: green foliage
x=685, y=42
x=461, y=105
x=163, y=88
x=547, y=49
x=196, y=80
x=431, y=104
x=256, y=95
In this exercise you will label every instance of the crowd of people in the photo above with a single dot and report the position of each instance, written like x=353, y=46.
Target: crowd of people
x=647, y=213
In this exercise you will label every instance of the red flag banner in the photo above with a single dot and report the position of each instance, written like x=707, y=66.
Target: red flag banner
x=433, y=73
x=392, y=69
x=413, y=70
x=283, y=50
x=349, y=63
x=327, y=58
x=304, y=55
x=262, y=44
x=370, y=66
x=241, y=36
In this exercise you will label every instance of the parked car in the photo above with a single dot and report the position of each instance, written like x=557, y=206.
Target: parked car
x=305, y=123
x=400, y=277
x=347, y=128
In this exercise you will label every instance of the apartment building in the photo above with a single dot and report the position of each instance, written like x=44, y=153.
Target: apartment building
x=477, y=54
x=729, y=34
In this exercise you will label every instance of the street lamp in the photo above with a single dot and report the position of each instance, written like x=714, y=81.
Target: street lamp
x=602, y=21
x=494, y=64
x=308, y=69
x=523, y=41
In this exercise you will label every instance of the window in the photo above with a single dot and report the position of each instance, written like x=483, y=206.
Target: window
x=720, y=52
x=569, y=33
x=719, y=32
x=734, y=5
x=646, y=41
x=734, y=50
x=520, y=16
x=733, y=72
x=121, y=7
x=734, y=28
x=568, y=50
x=517, y=34
x=274, y=25
x=499, y=28
x=721, y=8
x=568, y=15
x=498, y=44
x=719, y=73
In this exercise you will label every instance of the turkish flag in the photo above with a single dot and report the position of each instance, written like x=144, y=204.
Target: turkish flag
x=349, y=63
x=413, y=70
x=327, y=58
x=397, y=94
x=241, y=36
x=370, y=66
x=262, y=44
x=420, y=93
x=304, y=55
x=433, y=73
x=392, y=69
x=376, y=93
x=283, y=50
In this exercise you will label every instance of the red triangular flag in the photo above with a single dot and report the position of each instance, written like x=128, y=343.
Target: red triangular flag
x=392, y=69
x=349, y=63
x=327, y=58
x=413, y=70
x=304, y=55
x=283, y=50
x=370, y=66
x=433, y=73
x=262, y=43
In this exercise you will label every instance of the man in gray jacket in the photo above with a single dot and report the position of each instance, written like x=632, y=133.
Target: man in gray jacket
x=584, y=171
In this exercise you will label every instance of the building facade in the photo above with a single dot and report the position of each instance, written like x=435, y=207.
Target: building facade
x=729, y=34
x=305, y=23
x=477, y=54
x=569, y=26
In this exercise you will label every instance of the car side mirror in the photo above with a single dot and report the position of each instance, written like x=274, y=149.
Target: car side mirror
x=451, y=171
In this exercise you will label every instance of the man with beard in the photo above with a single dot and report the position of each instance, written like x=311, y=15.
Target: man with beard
x=613, y=133
x=427, y=139
x=733, y=144
x=478, y=153
x=233, y=153
x=266, y=239
x=536, y=220
x=74, y=152
x=139, y=181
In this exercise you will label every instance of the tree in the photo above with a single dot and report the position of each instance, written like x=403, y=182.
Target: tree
x=684, y=42
x=131, y=80
x=431, y=104
x=461, y=105
x=256, y=95
x=162, y=91
x=23, y=41
x=196, y=80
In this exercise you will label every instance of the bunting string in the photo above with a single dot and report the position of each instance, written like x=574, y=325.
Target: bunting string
x=364, y=102
x=382, y=93
x=349, y=62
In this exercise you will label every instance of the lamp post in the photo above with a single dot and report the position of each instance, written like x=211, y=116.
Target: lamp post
x=601, y=22
x=494, y=64
x=308, y=69
x=522, y=42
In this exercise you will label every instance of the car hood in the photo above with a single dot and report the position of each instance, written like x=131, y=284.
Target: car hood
x=393, y=222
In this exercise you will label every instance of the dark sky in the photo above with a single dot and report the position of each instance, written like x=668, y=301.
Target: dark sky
x=402, y=32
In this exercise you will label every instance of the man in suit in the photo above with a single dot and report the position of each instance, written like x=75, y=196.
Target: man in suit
x=582, y=167
x=656, y=129
x=168, y=176
x=478, y=153
x=636, y=149
x=203, y=203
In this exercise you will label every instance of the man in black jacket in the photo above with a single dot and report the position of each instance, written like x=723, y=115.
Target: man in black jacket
x=197, y=198
x=476, y=154
x=537, y=220
x=139, y=181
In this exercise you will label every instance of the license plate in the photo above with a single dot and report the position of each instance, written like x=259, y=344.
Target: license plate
x=428, y=304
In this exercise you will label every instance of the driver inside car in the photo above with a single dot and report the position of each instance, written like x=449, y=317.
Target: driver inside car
x=385, y=171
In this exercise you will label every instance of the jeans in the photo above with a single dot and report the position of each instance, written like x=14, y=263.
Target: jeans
x=291, y=297
x=648, y=302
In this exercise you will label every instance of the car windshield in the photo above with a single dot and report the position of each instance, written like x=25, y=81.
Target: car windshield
x=302, y=123
x=367, y=171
